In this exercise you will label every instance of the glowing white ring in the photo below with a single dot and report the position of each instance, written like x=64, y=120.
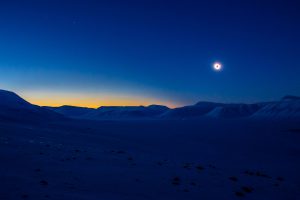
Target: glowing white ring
x=217, y=66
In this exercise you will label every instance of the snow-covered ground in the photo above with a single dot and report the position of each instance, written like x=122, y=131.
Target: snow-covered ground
x=230, y=153
x=151, y=159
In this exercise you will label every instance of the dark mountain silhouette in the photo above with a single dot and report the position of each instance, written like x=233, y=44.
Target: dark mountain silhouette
x=127, y=112
x=14, y=108
x=71, y=111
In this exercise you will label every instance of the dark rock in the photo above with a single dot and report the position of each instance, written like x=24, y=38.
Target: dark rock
x=130, y=158
x=176, y=180
x=247, y=189
x=233, y=178
x=199, y=167
x=261, y=174
x=44, y=183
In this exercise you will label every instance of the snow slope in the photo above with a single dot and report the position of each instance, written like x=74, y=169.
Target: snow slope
x=287, y=108
x=71, y=111
x=14, y=108
x=206, y=159
x=11, y=100
x=209, y=158
x=215, y=110
x=234, y=110
x=126, y=112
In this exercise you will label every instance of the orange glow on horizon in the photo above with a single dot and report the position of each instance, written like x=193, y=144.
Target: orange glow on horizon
x=91, y=102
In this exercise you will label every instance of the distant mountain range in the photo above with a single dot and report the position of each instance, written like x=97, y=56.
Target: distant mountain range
x=13, y=107
x=112, y=112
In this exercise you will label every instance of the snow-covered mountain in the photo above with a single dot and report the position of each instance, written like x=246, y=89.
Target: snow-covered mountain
x=14, y=108
x=126, y=112
x=234, y=110
x=287, y=108
x=190, y=112
x=215, y=110
x=11, y=100
x=71, y=111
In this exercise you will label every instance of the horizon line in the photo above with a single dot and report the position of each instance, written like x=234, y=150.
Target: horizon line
x=117, y=102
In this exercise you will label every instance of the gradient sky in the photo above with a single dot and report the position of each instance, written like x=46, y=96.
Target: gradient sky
x=93, y=53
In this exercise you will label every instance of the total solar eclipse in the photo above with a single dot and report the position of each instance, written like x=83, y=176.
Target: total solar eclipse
x=217, y=66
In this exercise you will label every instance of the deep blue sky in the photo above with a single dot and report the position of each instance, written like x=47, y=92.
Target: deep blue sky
x=96, y=53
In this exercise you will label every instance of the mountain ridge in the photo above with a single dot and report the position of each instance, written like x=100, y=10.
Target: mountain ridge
x=11, y=105
x=15, y=108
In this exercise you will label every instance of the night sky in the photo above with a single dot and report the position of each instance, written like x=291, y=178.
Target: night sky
x=93, y=53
